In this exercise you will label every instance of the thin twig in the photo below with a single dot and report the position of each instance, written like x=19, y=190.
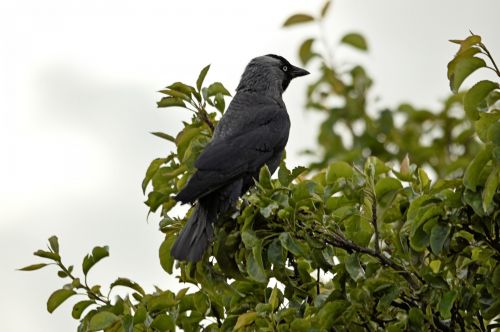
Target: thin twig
x=90, y=293
x=488, y=54
x=375, y=225
x=339, y=241
x=481, y=321
x=317, y=281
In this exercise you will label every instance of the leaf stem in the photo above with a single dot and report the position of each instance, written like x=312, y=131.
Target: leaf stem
x=488, y=54
x=375, y=225
x=202, y=114
x=91, y=294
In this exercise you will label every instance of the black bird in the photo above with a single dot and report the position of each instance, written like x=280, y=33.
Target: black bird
x=252, y=133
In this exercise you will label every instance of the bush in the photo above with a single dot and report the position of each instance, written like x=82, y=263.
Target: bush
x=360, y=240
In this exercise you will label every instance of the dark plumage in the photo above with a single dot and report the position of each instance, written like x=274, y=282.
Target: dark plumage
x=253, y=132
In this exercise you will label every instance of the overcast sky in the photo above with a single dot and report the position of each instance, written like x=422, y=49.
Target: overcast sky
x=77, y=100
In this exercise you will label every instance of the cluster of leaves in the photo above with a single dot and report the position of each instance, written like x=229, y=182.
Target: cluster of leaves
x=171, y=173
x=160, y=310
x=351, y=130
x=348, y=244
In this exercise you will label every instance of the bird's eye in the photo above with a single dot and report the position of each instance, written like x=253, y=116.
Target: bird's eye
x=285, y=68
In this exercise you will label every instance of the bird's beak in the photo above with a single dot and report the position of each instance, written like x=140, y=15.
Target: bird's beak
x=297, y=72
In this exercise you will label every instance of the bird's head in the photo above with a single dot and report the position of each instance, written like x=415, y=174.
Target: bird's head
x=269, y=74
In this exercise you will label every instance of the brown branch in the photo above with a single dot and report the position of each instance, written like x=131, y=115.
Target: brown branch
x=339, y=241
x=488, y=54
x=481, y=321
x=482, y=237
x=317, y=281
x=204, y=117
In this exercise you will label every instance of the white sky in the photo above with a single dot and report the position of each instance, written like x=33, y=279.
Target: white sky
x=77, y=100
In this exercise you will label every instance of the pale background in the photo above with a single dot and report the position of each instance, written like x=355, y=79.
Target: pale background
x=77, y=100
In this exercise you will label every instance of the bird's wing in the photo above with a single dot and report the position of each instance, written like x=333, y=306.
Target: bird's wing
x=243, y=152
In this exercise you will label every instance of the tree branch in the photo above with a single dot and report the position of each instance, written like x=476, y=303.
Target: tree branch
x=339, y=241
x=375, y=225
x=488, y=54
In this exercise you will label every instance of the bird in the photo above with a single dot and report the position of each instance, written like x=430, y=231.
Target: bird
x=253, y=132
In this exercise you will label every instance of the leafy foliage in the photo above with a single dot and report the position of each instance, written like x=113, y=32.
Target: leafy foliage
x=360, y=240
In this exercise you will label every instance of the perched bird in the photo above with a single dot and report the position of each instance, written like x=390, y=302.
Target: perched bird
x=252, y=133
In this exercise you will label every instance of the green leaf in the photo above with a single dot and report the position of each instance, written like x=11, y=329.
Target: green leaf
x=90, y=260
x=387, y=186
x=166, y=260
x=171, y=102
x=493, y=98
x=490, y=188
x=446, y=303
x=435, y=281
x=468, y=53
x=284, y=174
x=152, y=169
x=265, y=177
x=79, y=307
x=380, y=166
x=482, y=126
x=439, y=233
x=182, y=88
x=163, y=322
x=424, y=180
x=324, y=9
x=127, y=323
x=474, y=200
x=355, y=40
x=255, y=265
x=102, y=320
x=54, y=244
x=276, y=254
x=492, y=311
x=219, y=103
x=463, y=69
x=415, y=319
x=419, y=240
x=298, y=19
x=33, y=267
x=216, y=88
x=496, y=277
x=176, y=94
x=290, y=244
x=127, y=283
x=269, y=209
x=184, y=138
x=336, y=170
x=329, y=312
x=467, y=42
x=305, y=51
x=47, y=254
x=494, y=133
x=57, y=298
x=274, y=299
x=249, y=238
x=155, y=199
x=245, y=320
x=473, y=171
x=353, y=267
x=358, y=229
x=476, y=96
x=201, y=77
x=164, y=136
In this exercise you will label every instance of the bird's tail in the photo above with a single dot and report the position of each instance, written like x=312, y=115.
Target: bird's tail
x=194, y=237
